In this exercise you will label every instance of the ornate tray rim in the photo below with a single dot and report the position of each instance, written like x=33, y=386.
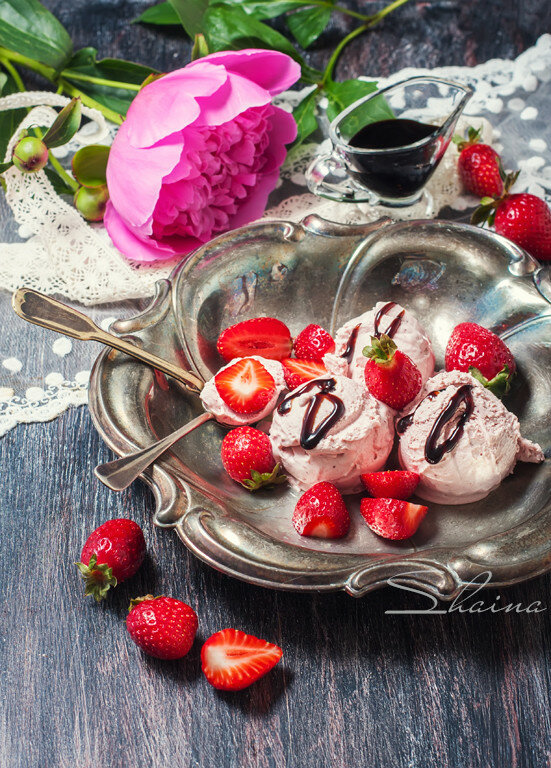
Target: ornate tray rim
x=512, y=556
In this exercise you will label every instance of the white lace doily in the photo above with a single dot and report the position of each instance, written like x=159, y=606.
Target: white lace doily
x=62, y=254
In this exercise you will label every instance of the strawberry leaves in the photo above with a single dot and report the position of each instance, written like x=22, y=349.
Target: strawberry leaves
x=264, y=479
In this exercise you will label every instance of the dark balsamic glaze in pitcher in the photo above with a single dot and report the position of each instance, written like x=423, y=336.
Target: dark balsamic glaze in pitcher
x=311, y=433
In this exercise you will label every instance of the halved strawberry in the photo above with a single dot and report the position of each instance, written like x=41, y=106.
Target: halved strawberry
x=397, y=484
x=392, y=518
x=298, y=372
x=232, y=660
x=321, y=512
x=246, y=386
x=262, y=336
x=313, y=343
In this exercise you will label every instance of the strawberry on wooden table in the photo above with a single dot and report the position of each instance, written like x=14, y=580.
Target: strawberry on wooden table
x=111, y=554
x=298, y=372
x=479, y=166
x=396, y=484
x=232, y=660
x=321, y=512
x=390, y=376
x=246, y=386
x=313, y=343
x=248, y=459
x=392, y=518
x=475, y=349
x=262, y=336
x=162, y=626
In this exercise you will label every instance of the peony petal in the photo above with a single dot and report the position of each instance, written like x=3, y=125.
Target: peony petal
x=254, y=206
x=169, y=104
x=283, y=130
x=234, y=97
x=135, y=201
x=273, y=71
x=148, y=250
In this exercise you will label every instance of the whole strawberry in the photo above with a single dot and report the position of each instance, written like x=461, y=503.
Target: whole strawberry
x=475, y=349
x=313, y=343
x=523, y=218
x=479, y=166
x=390, y=376
x=162, y=626
x=111, y=554
x=321, y=512
x=248, y=459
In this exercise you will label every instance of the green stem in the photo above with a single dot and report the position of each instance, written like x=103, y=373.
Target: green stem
x=371, y=22
x=48, y=72
x=88, y=101
x=100, y=81
x=67, y=178
x=13, y=72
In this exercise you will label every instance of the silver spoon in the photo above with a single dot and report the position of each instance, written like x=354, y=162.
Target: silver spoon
x=42, y=310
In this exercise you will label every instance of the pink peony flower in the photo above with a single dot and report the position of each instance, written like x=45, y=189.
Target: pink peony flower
x=199, y=153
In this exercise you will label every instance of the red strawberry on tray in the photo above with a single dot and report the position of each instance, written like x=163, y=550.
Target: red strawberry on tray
x=396, y=484
x=477, y=350
x=248, y=459
x=262, y=336
x=298, y=372
x=313, y=343
x=232, y=660
x=246, y=386
x=390, y=376
x=392, y=518
x=321, y=512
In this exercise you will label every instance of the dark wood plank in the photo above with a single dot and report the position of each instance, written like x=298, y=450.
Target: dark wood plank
x=357, y=687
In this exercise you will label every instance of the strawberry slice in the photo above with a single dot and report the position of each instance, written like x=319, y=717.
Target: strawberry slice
x=262, y=336
x=321, y=512
x=298, y=372
x=392, y=518
x=232, y=660
x=397, y=484
x=246, y=386
x=313, y=343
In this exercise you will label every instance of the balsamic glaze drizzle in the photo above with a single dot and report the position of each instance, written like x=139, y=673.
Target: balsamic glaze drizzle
x=311, y=434
x=394, y=325
x=351, y=344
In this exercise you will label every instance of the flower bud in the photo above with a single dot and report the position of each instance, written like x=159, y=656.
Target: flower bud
x=30, y=155
x=91, y=202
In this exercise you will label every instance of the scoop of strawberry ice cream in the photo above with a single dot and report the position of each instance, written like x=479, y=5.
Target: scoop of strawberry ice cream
x=403, y=327
x=483, y=437
x=358, y=441
x=222, y=412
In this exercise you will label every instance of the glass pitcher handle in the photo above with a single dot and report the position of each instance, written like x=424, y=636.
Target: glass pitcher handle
x=327, y=176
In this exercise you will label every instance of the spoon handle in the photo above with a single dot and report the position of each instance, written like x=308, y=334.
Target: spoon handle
x=42, y=310
x=120, y=473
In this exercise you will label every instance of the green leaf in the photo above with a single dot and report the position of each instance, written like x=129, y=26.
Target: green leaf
x=162, y=14
x=191, y=14
x=90, y=164
x=200, y=47
x=84, y=64
x=65, y=125
x=265, y=9
x=308, y=24
x=9, y=119
x=342, y=95
x=305, y=117
x=230, y=28
x=3, y=81
x=26, y=27
x=60, y=185
x=5, y=166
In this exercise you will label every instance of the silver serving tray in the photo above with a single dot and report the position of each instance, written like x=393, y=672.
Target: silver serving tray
x=325, y=272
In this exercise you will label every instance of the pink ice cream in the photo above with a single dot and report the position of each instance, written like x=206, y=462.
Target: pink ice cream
x=358, y=436
x=486, y=446
x=406, y=331
x=213, y=402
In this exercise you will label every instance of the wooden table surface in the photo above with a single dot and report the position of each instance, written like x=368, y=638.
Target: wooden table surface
x=356, y=687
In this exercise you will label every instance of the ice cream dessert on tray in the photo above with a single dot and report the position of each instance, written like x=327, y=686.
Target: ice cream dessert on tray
x=338, y=406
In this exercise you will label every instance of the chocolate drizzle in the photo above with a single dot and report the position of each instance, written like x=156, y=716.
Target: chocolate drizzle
x=394, y=325
x=407, y=421
x=435, y=452
x=311, y=434
x=351, y=344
